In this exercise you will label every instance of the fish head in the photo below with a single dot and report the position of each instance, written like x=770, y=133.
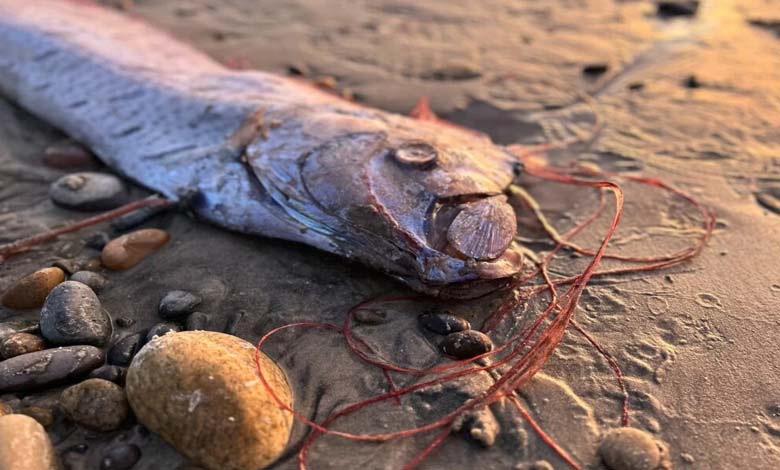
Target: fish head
x=425, y=203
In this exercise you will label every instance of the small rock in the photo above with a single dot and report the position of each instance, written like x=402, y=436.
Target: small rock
x=88, y=191
x=538, y=465
x=135, y=218
x=691, y=81
x=5, y=409
x=670, y=8
x=69, y=266
x=630, y=449
x=48, y=367
x=466, y=344
x=93, y=264
x=370, y=316
x=44, y=416
x=595, y=70
x=187, y=385
x=161, y=329
x=97, y=240
x=130, y=249
x=24, y=445
x=453, y=72
x=20, y=343
x=95, y=404
x=68, y=155
x=233, y=320
x=443, y=323
x=480, y=424
x=114, y=374
x=123, y=351
x=72, y=314
x=31, y=290
x=120, y=457
x=197, y=321
x=95, y=281
x=9, y=328
x=124, y=322
x=178, y=303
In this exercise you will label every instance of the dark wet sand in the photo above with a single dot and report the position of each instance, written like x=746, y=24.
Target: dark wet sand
x=698, y=342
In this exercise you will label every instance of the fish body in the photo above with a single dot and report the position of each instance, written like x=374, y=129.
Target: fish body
x=267, y=155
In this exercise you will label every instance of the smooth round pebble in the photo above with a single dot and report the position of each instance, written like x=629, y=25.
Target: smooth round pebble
x=184, y=386
x=44, y=416
x=466, y=344
x=197, y=321
x=24, y=445
x=123, y=351
x=630, y=449
x=20, y=343
x=443, y=323
x=114, y=374
x=68, y=155
x=178, y=303
x=161, y=329
x=48, y=367
x=72, y=314
x=120, y=457
x=88, y=191
x=31, y=290
x=95, y=404
x=126, y=251
x=95, y=281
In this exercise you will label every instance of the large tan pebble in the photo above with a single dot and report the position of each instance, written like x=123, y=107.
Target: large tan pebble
x=96, y=404
x=630, y=449
x=24, y=445
x=130, y=249
x=31, y=290
x=200, y=391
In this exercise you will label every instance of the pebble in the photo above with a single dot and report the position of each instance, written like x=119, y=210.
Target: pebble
x=197, y=321
x=48, y=367
x=88, y=191
x=111, y=373
x=24, y=445
x=187, y=385
x=130, y=249
x=135, y=218
x=595, y=70
x=5, y=409
x=178, y=303
x=161, y=329
x=120, y=457
x=97, y=240
x=124, y=322
x=31, y=290
x=95, y=281
x=123, y=351
x=466, y=344
x=20, y=343
x=44, y=416
x=93, y=264
x=370, y=316
x=443, y=323
x=96, y=404
x=630, y=449
x=72, y=314
x=669, y=8
x=68, y=155
x=69, y=266
x=11, y=327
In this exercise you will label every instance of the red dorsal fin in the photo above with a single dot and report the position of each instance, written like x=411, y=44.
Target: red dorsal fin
x=422, y=111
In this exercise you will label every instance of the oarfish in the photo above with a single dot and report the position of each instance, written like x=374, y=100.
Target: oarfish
x=267, y=155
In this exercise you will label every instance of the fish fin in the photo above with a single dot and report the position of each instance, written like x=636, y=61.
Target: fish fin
x=422, y=111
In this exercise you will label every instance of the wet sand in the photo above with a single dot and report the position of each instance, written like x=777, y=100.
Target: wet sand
x=697, y=342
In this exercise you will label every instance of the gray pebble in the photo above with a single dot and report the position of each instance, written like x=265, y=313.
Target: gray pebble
x=443, y=323
x=197, y=321
x=97, y=240
x=466, y=344
x=120, y=457
x=95, y=281
x=48, y=367
x=123, y=351
x=72, y=314
x=178, y=303
x=88, y=191
x=111, y=373
x=161, y=329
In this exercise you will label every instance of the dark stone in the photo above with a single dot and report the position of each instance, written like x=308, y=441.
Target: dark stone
x=95, y=281
x=111, y=373
x=123, y=351
x=197, y=321
x=636, y=86
x=178, y=303
x=594, y=70
x=88, y=191
x=671, y=8
x=120, y=457
x=135, y=218
x=49, y=367
x=20, y=343
x=124, y=322
x=443, y=323
x=691, y=81
x=466, y=344
x=161, y=329
x=97, y=240
x=69, y=266
x=72, y=314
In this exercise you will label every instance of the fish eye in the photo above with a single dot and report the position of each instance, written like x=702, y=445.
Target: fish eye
x=417, y=154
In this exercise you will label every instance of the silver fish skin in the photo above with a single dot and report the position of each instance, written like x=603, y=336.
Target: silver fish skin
x=267, y=155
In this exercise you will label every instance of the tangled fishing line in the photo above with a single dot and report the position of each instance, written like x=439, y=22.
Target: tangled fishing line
x=519, y=358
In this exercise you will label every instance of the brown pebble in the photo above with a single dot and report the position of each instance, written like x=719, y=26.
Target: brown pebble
x=5, y=409
x=93, y=264
x=68, y=155
x=95, y=404
x=24, y=445
x=130, y=249
x=20, y=343
x=630, y=449
x=31, y=290
x=44, y=416
x=466, y=344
